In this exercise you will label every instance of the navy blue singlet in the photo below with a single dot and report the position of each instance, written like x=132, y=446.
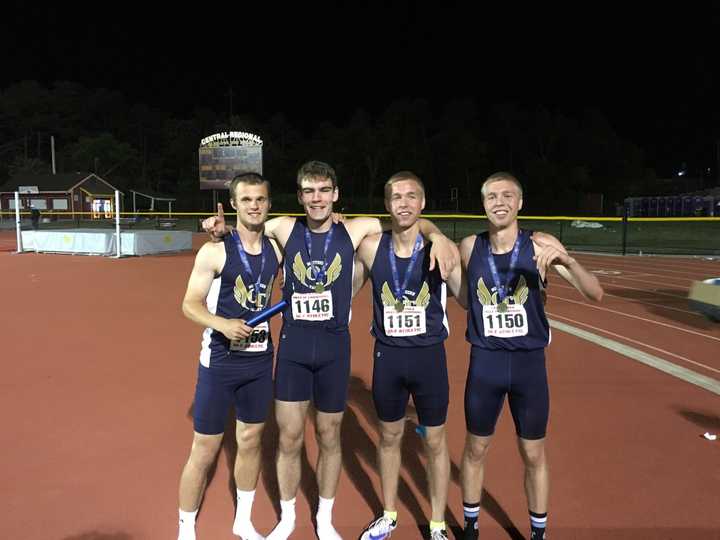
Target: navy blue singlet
x=233, y=295
x=524, y=274
x=301, y=274
x=425, y=289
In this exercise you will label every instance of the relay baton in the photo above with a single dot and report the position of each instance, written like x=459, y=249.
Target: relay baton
x=265, y=315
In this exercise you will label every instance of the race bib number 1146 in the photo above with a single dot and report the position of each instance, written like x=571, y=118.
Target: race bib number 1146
x=312, y=306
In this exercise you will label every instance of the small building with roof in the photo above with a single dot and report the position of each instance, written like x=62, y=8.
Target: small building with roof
x=69, y=193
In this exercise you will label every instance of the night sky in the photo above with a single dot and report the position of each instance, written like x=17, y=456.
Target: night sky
x=654, y=72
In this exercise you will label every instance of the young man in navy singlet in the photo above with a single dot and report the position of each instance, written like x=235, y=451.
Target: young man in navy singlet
x=505, y=270
x=313, y=360
x=410, y=326
x=230, y=282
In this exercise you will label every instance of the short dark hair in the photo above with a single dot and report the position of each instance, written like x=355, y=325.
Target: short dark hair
x=252, y=178
x=316, y=170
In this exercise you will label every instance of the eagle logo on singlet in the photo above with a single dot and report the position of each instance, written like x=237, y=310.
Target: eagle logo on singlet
x=422, y=299
x=251, y=298
x=520, y=295
x=306, y=273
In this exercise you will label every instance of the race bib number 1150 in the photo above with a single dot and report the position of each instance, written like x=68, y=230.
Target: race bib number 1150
x=505, y=324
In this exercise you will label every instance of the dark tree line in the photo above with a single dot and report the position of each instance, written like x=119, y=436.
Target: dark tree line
x=558, y=157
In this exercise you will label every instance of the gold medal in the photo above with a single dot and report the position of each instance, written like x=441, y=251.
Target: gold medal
x=502, y=307
x=319, y=287
x=399, y=305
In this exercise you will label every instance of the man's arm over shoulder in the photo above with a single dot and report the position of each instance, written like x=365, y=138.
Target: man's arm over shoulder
x=550, y=251
x=361, y=227
x=279, y=229
x=444, y=252
x=457, y=281
x=364, y=259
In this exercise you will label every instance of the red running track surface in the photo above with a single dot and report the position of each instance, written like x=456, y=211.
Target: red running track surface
x=99, y=371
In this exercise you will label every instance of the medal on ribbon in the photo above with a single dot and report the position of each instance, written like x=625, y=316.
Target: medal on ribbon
x=246, y=264
x=399, y=289
x=502, y=289
x=321, y=275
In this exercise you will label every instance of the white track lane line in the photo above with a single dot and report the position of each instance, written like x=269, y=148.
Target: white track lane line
x=636, y=342
x=637, y=289
x=651, y=321
x=678, y=265
x=632, y=301
x=680, y=268
x=708, y=383
x=624, y=271
x=673, y=285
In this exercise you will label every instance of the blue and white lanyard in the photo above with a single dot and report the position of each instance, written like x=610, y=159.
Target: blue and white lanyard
x=246, y=262
x=400, y=289
x=503, y=289
x=320, y=276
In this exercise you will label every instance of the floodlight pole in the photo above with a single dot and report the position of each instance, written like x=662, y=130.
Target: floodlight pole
x=117, y=222
x=52, y=151
x=17, y=223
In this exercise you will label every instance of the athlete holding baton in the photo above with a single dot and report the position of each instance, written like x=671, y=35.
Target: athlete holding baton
x=231, y=281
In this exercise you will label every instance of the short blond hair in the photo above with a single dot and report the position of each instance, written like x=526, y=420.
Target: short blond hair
x=400, y=177
x=499, y=176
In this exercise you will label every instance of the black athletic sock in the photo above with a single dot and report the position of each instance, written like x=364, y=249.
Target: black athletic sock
x=537, y=525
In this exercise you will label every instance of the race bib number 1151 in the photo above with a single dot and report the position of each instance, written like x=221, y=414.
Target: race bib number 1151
x=408, y=322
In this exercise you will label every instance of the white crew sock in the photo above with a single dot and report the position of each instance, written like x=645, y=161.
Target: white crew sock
x=287, y=521
x=243, y=526
x=186, y=525
x=325, y=529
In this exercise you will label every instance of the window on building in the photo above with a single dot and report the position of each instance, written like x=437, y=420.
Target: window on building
x=59, y=204
x=40, y=204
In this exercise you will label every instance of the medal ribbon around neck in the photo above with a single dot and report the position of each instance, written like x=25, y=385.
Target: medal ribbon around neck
x=320, y=276
x=399, y=290
x=246, y=262
x=503, y=288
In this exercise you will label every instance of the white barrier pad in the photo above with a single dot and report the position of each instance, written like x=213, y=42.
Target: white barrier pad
x=102, y=241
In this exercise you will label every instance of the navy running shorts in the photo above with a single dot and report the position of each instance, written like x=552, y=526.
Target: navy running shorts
x=313, y=364
x=246, y=384
x=420, y=372
x=520, y=375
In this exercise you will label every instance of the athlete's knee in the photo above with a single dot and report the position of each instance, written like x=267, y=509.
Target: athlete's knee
x=476, y=448
x=533, y=453
x=290, y=439
x=390, y=436
x=436, y=440
x=328, y=435
x=249, y=437
x=204, y=451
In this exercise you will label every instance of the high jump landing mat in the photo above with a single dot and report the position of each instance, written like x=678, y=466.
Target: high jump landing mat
x=102, y=241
